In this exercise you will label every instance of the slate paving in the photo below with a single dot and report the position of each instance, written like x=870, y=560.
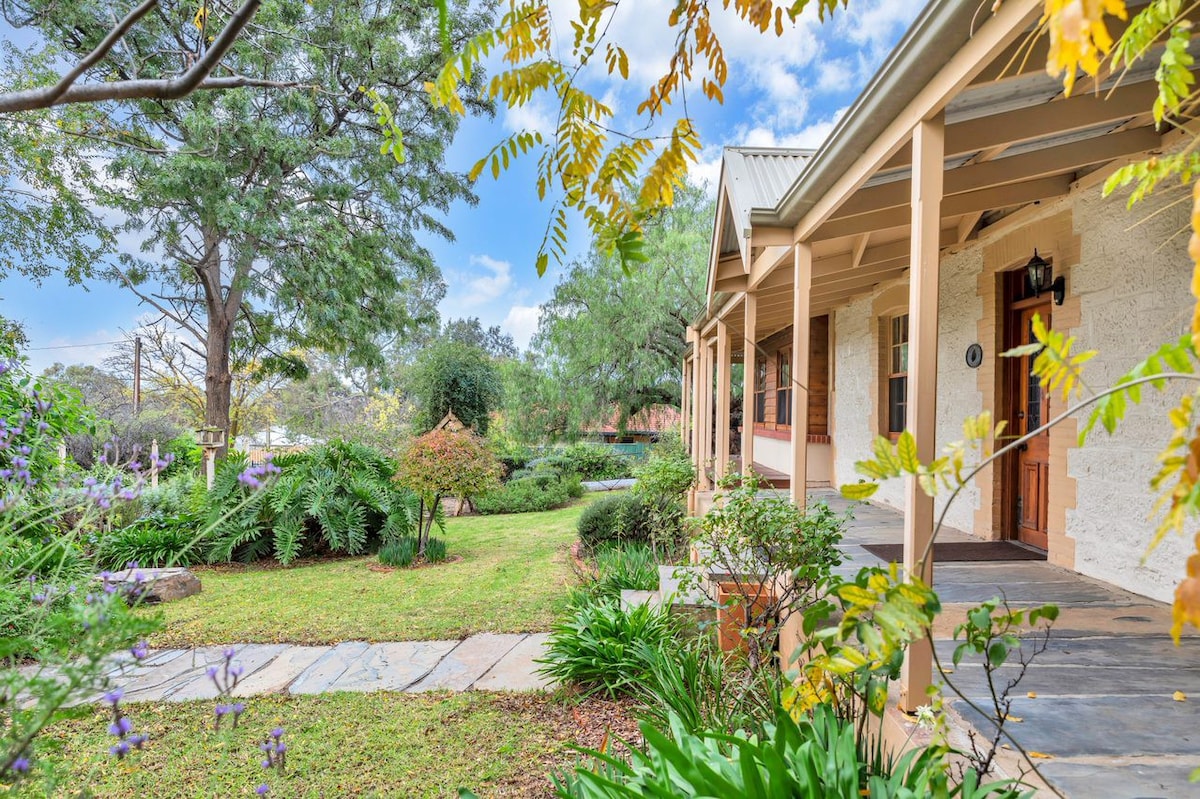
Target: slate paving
x=1104, y=706
x=487, y=661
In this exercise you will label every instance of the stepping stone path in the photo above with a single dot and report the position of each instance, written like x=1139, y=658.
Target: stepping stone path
x=486, y=662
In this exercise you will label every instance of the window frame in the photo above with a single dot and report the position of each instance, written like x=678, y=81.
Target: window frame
x=783, y=388
x=760, y=391
x=896, y=368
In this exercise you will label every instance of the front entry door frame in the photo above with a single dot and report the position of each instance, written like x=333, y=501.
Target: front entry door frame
x=1025, y=474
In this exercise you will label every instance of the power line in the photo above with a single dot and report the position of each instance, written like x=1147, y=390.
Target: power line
x=74, y=346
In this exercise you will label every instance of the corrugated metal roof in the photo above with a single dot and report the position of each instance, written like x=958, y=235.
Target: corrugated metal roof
x=758, y=177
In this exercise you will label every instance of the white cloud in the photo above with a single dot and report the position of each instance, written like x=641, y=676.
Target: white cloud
x=483, y=288
x=534, y=117
x=521, y=323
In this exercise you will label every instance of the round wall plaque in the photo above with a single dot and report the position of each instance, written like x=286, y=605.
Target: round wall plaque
x=974, y=356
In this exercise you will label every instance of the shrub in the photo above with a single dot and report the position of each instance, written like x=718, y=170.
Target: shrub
x=602, y=648
x=153, y=542
x=172, y=497
x=624, y=517
x=446, y=463
x=399, y=552
x=626, y=566
x=700, y=686
x=527, y=495
x=594, y=462
x=435, y=550
x=335, y=498
x=767, y=541
x=664, y=478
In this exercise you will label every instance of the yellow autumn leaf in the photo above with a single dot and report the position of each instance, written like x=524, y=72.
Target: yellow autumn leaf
x=1040, y=755
x=1014, y=719
x=1032, y=694
x=1179, y=696
x=1079, y=37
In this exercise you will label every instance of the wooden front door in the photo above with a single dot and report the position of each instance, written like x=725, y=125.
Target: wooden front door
x=1031, y=411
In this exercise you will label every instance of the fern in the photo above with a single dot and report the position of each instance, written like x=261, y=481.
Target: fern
x=336, y=498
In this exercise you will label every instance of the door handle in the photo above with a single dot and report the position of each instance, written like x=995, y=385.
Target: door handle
x=1020, y=414
x=1022, y=447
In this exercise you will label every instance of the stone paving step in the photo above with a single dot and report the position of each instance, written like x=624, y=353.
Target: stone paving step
x=487, y=661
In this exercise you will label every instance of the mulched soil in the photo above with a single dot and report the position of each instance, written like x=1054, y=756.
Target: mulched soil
x=587, y=723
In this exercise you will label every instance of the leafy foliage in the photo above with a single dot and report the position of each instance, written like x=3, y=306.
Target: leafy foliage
x=454, y=377
x=435, y=550
x=271, y=218
x=618, y=518
x=853, y=660
x=706, y=690
x=446, y=463
x=609, y=342
x=335, y=498
x=777, y=556
x=616, y=180
x=602, y=648
x=528, y=495
x=399, y=552
x=813, y=758
x=154, y=542
x=623, y=567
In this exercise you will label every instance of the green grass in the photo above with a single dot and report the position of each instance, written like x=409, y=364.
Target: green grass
x=381, y=744
x=513, y=576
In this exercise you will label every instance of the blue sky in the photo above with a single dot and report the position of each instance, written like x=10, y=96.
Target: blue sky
x=780, y=92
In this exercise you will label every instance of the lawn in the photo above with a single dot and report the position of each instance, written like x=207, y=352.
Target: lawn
x=511, y=575
x=382, y=744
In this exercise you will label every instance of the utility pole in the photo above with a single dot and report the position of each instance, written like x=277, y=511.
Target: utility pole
x=137, y=375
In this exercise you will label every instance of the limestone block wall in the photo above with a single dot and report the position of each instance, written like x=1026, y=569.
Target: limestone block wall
x=1133, y=296
x=856, y=396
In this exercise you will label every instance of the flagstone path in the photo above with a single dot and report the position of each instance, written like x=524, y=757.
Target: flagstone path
x=486, y=662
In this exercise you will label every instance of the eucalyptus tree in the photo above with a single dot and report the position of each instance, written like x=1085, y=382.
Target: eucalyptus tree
x=612, y=340
x=276, y=214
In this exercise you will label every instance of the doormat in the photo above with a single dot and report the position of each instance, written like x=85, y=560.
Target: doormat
x=954, y=552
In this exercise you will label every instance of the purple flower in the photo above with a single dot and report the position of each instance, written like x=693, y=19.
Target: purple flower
x=119, y=749
x=262, y=789
x=140, y=650
x=21, y=764
x=114, y=696
x=277, y=733
x=211, y=671
x=121, y=727
x=238, y=708
x=229, y=653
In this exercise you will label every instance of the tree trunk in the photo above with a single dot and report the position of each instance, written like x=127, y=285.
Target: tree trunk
x=218, y=379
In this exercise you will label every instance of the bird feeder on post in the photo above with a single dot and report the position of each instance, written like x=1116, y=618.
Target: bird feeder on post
x=210, y=439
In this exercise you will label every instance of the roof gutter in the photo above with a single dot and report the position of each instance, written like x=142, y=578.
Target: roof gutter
x=942, y=27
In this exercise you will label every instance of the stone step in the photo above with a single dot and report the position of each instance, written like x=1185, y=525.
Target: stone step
x=632, y=599
x=669, y=578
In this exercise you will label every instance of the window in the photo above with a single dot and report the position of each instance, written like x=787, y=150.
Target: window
x=760, y=390
x=783, y=393
x=897, y=373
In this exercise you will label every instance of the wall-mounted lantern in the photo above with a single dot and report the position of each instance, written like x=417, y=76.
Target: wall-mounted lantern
x=1039, y=273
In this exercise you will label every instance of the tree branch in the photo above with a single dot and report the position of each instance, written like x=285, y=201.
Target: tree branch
x=91, y=59
x=194, y=78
